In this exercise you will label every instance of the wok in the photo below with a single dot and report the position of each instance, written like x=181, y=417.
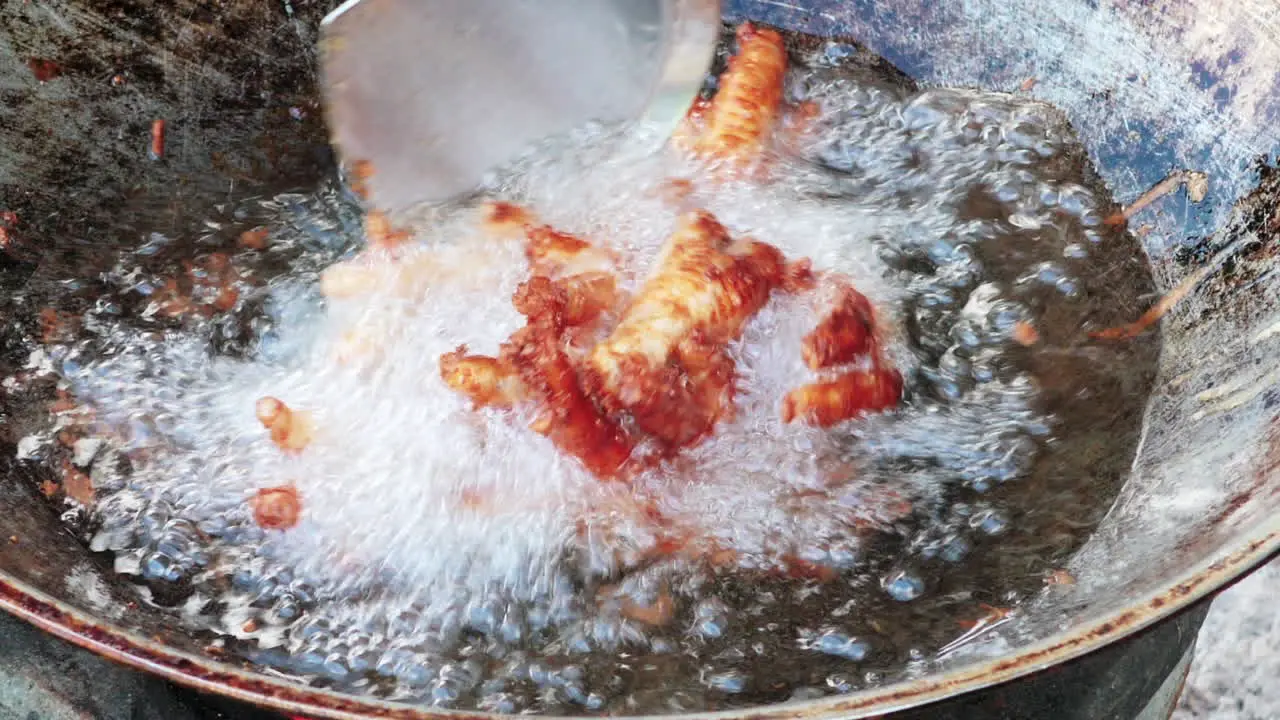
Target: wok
x=1149, y=88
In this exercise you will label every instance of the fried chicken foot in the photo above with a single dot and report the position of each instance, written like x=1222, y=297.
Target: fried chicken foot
x=739, y=119
x=661, y=363
x=848, y=396
x=704, y=282
x=565, y=414
x=534, y=365
x=405, y=276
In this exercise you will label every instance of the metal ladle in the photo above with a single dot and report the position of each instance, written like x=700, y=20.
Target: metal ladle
x=432, y=94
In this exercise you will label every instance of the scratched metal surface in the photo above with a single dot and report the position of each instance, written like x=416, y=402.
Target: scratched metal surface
x=1150, y=87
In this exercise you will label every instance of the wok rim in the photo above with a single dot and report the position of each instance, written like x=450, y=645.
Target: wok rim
x=211, y=676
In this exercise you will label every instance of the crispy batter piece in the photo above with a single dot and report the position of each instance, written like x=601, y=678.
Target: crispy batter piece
x=742, y=114
x=852, y=394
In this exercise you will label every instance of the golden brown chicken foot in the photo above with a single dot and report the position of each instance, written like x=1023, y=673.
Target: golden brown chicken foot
x=290, y=430
x=847, y=396
x=663, y=363
x=739, y=119
x=703, y=283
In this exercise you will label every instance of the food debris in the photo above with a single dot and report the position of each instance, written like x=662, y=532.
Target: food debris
x=56, y=326
x=361, y=174
x=1025, y=334
x=1028, y=84
x=992, y=615
x=290, y=431
x=8, y=220
x=1197, y=187
x=255, y=239
x=44, y=70
x=156, y=150
x=211, y=284
x=1059, y=577
x=1157, y=311
x=276, y=508
x=659, y=613
x=77, y=484
x=117, y=80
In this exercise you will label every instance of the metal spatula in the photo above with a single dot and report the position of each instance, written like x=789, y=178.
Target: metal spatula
x=434, y=93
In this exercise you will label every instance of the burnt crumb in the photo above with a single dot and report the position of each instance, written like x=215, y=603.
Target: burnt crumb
x=43, y=69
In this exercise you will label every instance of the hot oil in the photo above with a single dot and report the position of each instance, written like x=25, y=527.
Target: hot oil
x=454, y=557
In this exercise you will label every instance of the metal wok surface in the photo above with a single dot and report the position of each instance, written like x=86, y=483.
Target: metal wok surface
x=1150, y=88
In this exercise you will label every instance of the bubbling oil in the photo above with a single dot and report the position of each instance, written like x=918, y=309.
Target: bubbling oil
x=966, y=217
